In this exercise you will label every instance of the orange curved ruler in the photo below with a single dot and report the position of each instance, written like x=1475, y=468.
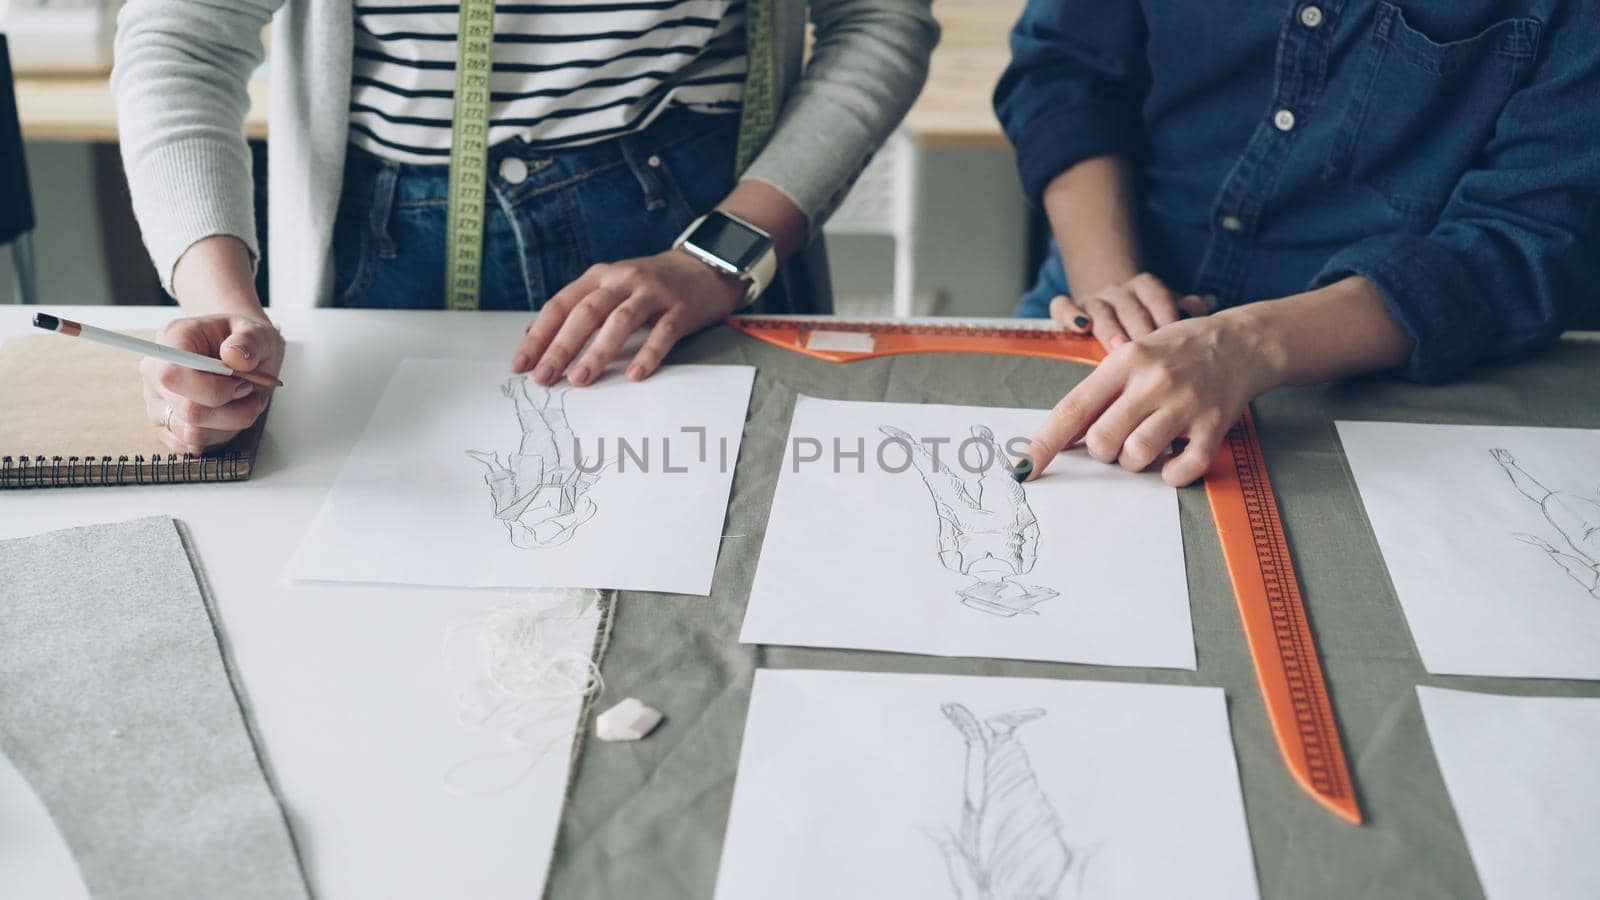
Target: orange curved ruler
x=1285, y=654
x=1253, y=544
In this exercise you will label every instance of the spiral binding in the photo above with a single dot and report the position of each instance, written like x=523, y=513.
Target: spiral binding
x=97, y=471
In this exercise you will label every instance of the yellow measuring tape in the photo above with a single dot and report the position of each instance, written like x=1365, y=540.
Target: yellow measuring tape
x=469, y=132
x=760, y=112
x=469, y=154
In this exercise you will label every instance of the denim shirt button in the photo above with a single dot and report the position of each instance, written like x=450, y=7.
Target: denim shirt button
x=1310, y=16
x=1232, y=223
x=1283, y=120
x=513, y=170
x=653, y=162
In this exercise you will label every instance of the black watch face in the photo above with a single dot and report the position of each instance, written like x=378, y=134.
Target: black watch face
x=730, y=241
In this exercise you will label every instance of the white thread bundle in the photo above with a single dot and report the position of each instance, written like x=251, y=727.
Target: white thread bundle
x=519, y=684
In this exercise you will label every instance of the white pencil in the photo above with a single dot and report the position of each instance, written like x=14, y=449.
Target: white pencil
x=148, y=348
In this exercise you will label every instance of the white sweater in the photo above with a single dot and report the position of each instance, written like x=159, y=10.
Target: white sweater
x=182, y=67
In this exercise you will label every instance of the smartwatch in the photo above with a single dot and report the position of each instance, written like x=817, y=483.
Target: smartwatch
x=733, y=247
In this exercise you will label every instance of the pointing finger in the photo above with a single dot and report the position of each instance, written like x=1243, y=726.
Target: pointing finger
x=1073, y=415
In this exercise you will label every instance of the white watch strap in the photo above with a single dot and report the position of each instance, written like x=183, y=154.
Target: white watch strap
x=761, y=274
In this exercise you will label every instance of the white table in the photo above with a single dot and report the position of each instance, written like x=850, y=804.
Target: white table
x=347, y=684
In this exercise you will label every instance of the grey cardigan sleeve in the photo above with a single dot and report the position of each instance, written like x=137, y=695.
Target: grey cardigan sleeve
x=866, y=68
x=181, y=88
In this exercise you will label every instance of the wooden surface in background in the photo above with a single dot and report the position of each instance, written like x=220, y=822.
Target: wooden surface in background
x=79, y=108
x=956, y=107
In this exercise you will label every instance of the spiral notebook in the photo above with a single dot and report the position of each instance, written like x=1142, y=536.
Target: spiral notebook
x=72, y=414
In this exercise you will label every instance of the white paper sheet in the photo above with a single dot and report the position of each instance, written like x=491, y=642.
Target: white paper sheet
x=1083, y=565
x=515, y=672
x=466, y=477
x=1522, y=776
x=886, y=785
x=1492, y=538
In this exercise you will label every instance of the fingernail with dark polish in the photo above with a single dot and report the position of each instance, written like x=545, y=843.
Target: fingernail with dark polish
x=1179, y=445
x=1022, y=468
x=580, y=375
x=1184, y=314
x=519, y=362
x=1081, y=321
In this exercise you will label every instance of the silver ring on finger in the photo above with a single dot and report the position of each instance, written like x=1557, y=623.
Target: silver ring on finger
x=166, y=420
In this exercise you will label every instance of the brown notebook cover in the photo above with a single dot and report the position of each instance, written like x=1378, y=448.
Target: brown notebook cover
x=72, y=413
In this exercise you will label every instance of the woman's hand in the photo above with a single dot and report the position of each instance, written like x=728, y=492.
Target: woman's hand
x=193, y=410
x=1127, y=311
x=673, y=292
x=1191, y=380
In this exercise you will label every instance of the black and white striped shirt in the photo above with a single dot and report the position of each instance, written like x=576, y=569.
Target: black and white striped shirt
x=566, y=72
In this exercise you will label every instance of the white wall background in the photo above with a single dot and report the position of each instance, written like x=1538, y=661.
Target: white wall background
x=971, y=240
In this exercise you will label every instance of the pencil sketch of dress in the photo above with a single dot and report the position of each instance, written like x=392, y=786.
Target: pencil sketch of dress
x=1575, y=518
x=540, y=491
x=1009, y=845
x=986, y=528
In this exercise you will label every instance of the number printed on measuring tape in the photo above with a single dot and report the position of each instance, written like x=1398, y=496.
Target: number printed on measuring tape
x=469, y=154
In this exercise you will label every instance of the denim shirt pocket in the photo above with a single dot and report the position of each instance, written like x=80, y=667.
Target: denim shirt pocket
x=1421, y=111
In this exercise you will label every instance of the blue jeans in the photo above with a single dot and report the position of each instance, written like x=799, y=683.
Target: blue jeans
x=1052, y=280
x=619, y=199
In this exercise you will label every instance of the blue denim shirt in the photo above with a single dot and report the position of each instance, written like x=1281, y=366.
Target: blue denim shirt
x=1448, y=151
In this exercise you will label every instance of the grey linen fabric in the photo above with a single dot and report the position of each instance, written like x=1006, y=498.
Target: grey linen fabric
x=646, y=819
x=117, y=707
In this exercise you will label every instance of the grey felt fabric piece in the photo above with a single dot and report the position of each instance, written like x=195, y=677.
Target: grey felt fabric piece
x=646, y=819
x=117, y=707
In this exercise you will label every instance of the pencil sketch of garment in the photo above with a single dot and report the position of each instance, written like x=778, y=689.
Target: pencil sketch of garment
x=987, y=530
x=1575, y=518
x=1010, y=844
x=540, y=491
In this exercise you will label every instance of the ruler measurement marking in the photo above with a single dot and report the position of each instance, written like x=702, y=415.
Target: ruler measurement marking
x=1290, y=626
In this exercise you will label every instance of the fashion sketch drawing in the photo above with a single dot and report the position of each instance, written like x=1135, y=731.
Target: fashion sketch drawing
x=540, y=491
x=1575, y=518
x=1009, y=845
x=987, y=531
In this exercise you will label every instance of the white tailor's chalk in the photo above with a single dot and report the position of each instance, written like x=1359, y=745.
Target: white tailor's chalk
x=846, y=341
x=629, y=720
